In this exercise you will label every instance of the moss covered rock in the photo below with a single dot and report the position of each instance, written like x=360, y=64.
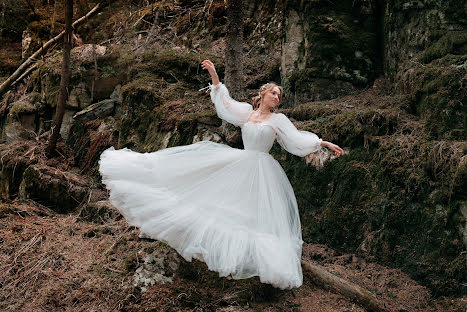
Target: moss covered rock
x=101, y=212
x=160, y=97
x=437, y=94
x=422, y=31
x=60, y=191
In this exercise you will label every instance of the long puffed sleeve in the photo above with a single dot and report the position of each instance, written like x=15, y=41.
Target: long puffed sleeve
x=227, y=108
x=300, y=143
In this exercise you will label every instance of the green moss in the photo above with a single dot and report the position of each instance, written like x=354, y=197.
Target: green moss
x=187, y=128
x=131, y=263
x=393, y=202
x=438, y=96
x=27, y=105
x=336, y=34
x=160, y=78
x=354, y=127
x=174, y=67
x=452, y=42
x=314, y=111
x=140, y=98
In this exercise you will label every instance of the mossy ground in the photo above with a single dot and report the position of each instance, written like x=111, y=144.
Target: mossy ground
x=437, y=94
x=394, y=198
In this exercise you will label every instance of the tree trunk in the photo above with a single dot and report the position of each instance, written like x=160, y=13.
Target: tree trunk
x=65, y=79
x=234, y=49
x=234, y=63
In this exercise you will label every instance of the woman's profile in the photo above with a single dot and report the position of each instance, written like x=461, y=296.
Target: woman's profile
x=232, y=208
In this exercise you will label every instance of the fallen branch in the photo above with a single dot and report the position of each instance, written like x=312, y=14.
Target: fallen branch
x=356, y=293
x=29, y=70
x=7, y=83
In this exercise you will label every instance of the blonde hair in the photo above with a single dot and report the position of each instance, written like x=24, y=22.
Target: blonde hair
x=256, y=100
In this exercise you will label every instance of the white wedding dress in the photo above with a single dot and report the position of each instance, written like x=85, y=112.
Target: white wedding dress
x=233, y=209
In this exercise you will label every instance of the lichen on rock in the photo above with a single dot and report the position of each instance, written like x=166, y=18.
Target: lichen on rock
x=159, y=267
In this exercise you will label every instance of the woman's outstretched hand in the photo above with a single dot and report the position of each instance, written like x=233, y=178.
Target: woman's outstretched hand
x=207, y=64
x=333, y=147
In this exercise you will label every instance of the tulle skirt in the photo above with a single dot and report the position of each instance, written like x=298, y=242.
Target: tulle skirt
x=233, y=209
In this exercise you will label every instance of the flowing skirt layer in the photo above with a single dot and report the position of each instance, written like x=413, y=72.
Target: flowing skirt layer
x=233, y=209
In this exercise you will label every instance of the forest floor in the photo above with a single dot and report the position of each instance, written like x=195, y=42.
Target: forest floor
x=71, y=262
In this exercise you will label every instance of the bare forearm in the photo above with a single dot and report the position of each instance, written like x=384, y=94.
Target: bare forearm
x=215, y=78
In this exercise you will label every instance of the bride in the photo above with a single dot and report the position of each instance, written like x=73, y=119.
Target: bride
x=233, y=209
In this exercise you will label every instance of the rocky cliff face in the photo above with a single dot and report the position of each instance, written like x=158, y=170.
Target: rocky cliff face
x=398, y=195
x=329, y=49
x=425, y=55
x=422, y=31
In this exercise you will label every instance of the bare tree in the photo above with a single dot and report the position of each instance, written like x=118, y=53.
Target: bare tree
x=64, y=81
x=234, y=49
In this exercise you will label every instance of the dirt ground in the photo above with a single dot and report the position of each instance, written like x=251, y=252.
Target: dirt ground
x=53, y=262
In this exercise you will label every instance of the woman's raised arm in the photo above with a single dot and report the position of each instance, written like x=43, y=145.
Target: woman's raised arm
x=227, y=108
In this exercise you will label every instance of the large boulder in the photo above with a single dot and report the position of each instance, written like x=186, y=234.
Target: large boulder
x=21, y=121
x=60, y=191
x=12, y=168
x=98, y=110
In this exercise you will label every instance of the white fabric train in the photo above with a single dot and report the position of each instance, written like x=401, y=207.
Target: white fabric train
x=233, y=209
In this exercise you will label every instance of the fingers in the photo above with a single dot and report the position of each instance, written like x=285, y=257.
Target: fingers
x=337, y=150
x=207, y=64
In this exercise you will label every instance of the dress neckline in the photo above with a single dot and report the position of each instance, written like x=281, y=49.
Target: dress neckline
x=258, y=123
x=263, y=123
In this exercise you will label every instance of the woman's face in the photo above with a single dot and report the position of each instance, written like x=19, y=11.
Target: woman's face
x=271, y=98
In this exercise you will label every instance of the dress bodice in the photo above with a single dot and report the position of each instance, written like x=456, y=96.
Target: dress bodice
x=258, y=136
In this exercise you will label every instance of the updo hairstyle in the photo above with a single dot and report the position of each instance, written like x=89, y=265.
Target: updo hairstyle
x=256, y=100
